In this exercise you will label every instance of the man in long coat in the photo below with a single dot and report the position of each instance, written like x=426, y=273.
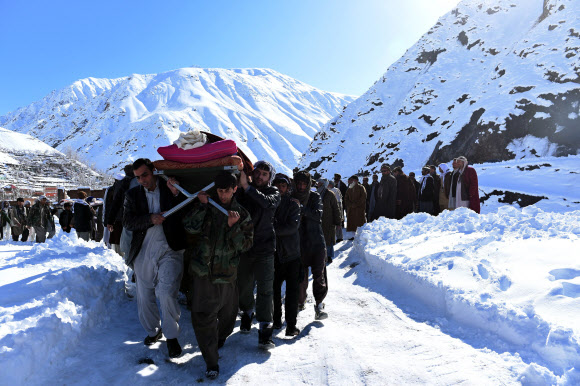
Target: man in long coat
x=356, y=202
x=385, y=195
x=330, y=216
x=406, y=195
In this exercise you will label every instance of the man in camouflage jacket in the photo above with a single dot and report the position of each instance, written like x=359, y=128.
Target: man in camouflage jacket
x=40, y=218
x=213, y=265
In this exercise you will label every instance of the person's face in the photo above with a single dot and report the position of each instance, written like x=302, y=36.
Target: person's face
x=282, y=187
x=350, y=181
x=226, y=195
x=433, y=171
x=365, y=180
x=454, y=163
x=20, y=204
x=319, y=185
x=260, y=177
x=146, y=178
x=375, y=178
x=43, y=202
x=424, y=172
x=301, y=186
x=385, y=172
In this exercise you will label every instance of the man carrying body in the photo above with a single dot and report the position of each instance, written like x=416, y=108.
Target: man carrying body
x=213, y=264
x=156, y=253
x=257, y=265
x=312, y=245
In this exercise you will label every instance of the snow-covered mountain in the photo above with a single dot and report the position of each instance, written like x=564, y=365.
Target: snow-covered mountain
x=114, y=121
x=29, y=163
x=492, y=80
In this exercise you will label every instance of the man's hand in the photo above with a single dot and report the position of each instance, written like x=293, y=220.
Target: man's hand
x=233, y=217
x=110, y=227
x=244, y=180
x=157, y=218
x=171, y=182
x=203, y=197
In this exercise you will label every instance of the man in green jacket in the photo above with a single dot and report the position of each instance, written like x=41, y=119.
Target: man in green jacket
x=213, y=264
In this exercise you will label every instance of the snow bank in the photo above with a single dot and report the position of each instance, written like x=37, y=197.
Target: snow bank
x=512, y=277
x=52, y=294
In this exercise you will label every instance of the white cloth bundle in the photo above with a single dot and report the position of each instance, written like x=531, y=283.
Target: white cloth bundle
x=190, y=140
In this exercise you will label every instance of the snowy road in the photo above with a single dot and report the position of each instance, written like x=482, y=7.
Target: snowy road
x=366, y=340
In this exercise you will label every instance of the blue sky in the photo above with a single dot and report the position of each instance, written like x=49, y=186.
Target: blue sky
x=336, y=45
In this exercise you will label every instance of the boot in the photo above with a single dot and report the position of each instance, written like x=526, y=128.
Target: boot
x=173, y=347
x=319, y=311
x=292, y=331
x=246, y=322
x=212, y=373
x=149, y=340
x=265, y=341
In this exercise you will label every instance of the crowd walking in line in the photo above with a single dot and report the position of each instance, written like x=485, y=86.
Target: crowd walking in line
x=278, y=229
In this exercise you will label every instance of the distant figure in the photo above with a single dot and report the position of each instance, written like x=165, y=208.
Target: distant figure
x=356, y=202
x=213, y=264
x=39, y=218
x=83, y=216
x=368, y=188
x=417, y=186
x=426, y=192
x=330, y=217
x=30, y=233
x=438, y=184
x=339, y=199
x=385, y=195
x=370, y=195
x=445, y=187
x=18, y=220
x=406, y=195
x=464, y=190
x=342, y=187
x=4, y=220
x=66, y=217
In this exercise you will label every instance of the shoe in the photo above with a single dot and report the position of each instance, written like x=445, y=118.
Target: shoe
x=265, y=341
x=277, y=325
x=149, y=340
x=173, y=348
x=319, y=311
x=212, y=373
x=292, y=331
x=301, y=307
x=221, y=343
x=328, y=260
x=338, y=240
x=246, y=324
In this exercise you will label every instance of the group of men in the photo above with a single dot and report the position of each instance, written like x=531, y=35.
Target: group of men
x=394, y=196
x=26, y=220
x=271, y=234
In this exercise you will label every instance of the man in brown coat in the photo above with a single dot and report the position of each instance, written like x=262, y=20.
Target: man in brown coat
x=330, y=216
x=356, y=202
x=406, y=194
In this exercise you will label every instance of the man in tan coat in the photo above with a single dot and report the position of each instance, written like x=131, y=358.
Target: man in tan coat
x=356, y=202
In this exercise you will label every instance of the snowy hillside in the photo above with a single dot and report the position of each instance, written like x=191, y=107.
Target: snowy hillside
x=114, y=121
x=492, y=80
x=29, y=163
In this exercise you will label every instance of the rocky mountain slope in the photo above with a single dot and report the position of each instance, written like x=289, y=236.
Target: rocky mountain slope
x=31, y=164
x=492, y=80
x=114, y=121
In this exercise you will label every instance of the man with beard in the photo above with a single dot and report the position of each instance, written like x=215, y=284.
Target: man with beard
x=426, y=192
x=287, y=264
x=385, y=195
x=445, y=187
x=257, y=265
x=330, y=216
x=464, y=186
x=356, y=199
x=213, y=264
x=156, y=253
x=312, y=247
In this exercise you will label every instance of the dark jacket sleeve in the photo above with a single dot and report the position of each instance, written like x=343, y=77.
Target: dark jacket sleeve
x=131, y=219
x=292, y=221
x=313, y=211
x=265, y=201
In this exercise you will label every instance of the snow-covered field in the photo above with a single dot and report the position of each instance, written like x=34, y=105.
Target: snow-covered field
x=458, y=298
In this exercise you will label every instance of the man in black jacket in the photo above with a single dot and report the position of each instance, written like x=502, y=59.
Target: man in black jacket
x=156, y=253
x=257, y=265
x=426, y=192
x=65, y=218
x=312, y=245
x=83, y=214
x=287, y=263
